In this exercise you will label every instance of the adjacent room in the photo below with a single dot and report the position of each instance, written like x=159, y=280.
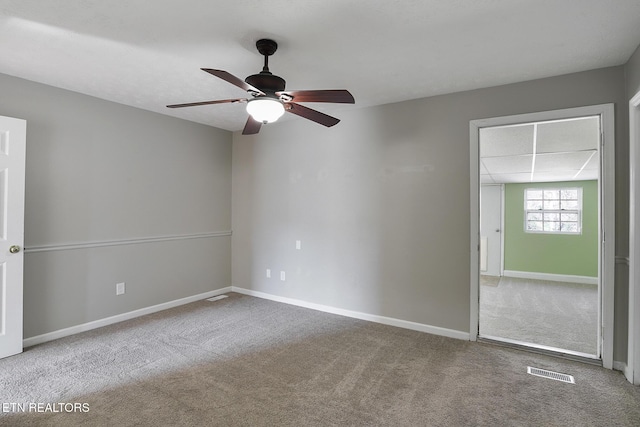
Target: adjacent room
x=273, y=213
x=540, y=201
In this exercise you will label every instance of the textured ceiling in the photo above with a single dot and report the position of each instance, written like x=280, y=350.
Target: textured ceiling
x=562, y=150
x=148, y=53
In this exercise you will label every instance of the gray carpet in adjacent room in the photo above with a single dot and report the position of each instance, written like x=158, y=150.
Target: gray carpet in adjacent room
x=553, y=314
x=244, y=361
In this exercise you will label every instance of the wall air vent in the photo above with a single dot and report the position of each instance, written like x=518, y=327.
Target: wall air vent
x=219, y=297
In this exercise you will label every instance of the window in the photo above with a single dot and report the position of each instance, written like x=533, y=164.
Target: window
x=553, y=210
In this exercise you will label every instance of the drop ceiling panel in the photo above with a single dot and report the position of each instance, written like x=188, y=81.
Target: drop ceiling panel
x=586, y=174
x=508, y=178
x=571, y=135
x=553, y=176
x=486, y=179
x=506, y=141
x=508, y=164
x=561, y=161
x=594, y=163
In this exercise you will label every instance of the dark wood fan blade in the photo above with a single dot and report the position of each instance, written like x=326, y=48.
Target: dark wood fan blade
x=194, y=104
x=251, y=127
x=233, y=80
x=311, y=114
x=338, y=96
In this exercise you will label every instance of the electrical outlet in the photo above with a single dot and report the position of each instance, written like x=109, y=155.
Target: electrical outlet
x=298, y=245
x=282, y=276
x=268, y=273
x=120, y=288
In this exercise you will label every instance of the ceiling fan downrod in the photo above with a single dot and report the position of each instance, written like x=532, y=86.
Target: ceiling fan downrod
x=266, y=47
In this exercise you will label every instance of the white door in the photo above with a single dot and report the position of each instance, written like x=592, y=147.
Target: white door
x=12, y=169
x=491, y=229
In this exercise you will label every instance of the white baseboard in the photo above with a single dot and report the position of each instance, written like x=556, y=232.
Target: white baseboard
x=61, y=333
x=50, y=336
x=435, y=330
x=551, y=277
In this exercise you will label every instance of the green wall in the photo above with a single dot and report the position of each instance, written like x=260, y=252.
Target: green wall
x=551, y=253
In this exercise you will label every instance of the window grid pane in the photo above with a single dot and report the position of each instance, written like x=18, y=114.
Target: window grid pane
x=553, y=210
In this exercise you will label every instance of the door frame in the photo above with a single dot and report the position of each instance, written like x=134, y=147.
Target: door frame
x=632, y=371
x=606, y=213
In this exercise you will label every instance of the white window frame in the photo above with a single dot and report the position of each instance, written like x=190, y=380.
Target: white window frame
x=560, y=210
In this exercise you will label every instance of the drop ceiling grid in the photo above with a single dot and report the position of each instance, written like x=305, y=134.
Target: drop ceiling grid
x=565, y=150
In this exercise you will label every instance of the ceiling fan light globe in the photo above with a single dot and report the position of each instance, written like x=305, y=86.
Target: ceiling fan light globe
x=265, y=110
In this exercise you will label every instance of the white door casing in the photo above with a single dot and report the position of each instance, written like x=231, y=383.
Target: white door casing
x=633, y=352
x=606, y=208
x=12, y=173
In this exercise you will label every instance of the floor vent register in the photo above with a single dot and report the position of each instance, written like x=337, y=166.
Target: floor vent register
x=551, y=375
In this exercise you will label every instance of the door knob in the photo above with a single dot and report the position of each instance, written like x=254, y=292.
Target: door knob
x=497, y=230
x=14, y=249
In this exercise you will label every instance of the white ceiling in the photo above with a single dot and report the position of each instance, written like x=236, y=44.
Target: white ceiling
x=563, y=150
x=148, y=53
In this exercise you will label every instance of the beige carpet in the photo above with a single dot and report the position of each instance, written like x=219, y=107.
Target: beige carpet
x=489, y=280
x=244, y=361
x=554, y=314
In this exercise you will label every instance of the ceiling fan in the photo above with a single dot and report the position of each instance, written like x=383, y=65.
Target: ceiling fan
x=269, y=101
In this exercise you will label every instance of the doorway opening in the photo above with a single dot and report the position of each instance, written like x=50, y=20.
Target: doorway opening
x=542, y=270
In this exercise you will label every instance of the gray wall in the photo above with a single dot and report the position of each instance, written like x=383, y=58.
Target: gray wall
x=632, y=70
x=380, y=202
x=100, y=171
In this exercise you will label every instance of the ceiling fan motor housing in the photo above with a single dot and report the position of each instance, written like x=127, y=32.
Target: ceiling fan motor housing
x=266, y=82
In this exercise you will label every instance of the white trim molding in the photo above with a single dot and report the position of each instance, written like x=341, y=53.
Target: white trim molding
x=61, y=333
x=405, y=324
x=567, y=278
x=633, y=344
x=122, y=242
